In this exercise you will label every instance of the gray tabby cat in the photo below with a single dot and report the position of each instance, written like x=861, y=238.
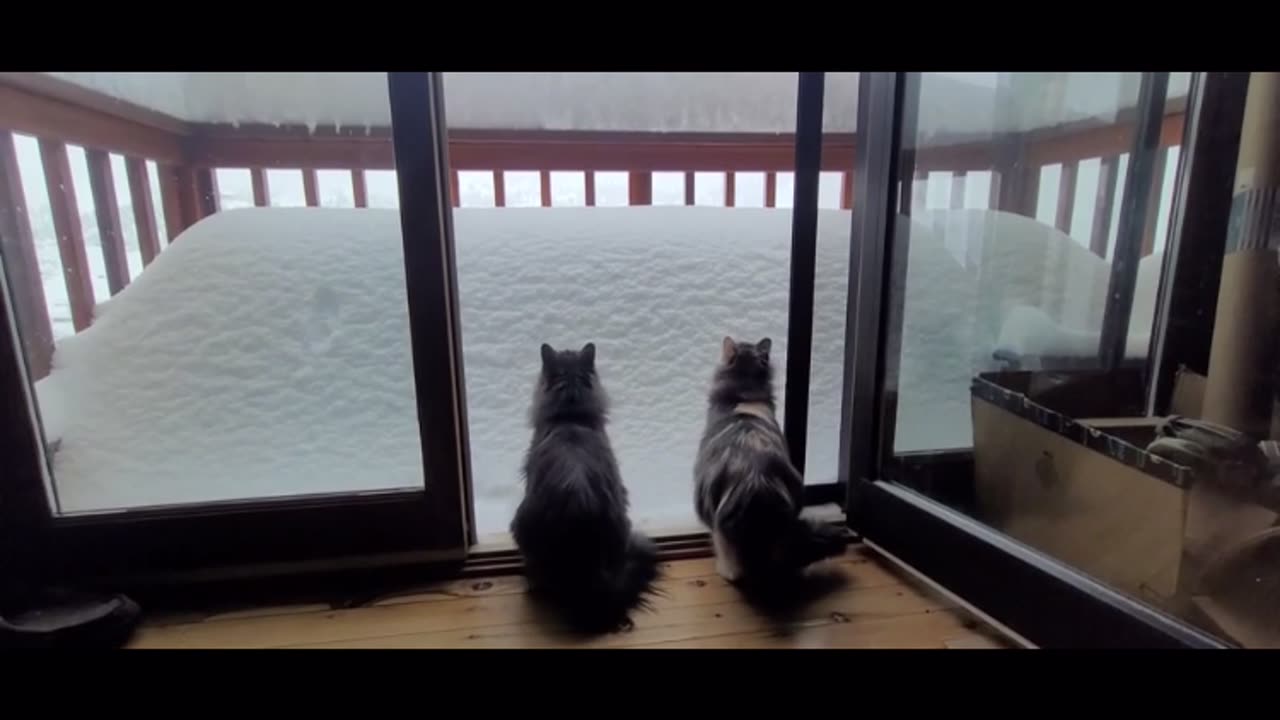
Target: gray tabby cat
x=746, y=489
x=581, y=554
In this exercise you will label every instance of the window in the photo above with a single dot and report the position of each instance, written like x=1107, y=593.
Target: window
x=654, y=284
x=261, y=355
x=263, y=370
x=1018, y=353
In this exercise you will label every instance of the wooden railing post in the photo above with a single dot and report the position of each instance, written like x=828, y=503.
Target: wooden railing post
x=544, y=186
x=689, y=186
x=262, y=190
x=730, y=192
x=310, y=188
x=107, y=212
x=66, y=223
x=1066, y=197
x=1104, y=201
x=771, y=189
x=177, y=199
x=959, y=180
x=499, y=189
x=144, y=212
x=640, y=188
x=589, y=184
x=23, y=266
x=1015, y=182
x=360, y=192
x=208, y=200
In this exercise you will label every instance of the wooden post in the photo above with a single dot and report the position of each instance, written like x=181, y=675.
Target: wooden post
x=729, y=190
x=959, y=180
x=177, y=199
x=640, y=188
x=207, y=200
x=1108, y=178
x=144, y=213
x=1019, y=184
x=544, y=185
x=66, y=223
x=261, y=189
x=771, y=189
x=310, y=188
x=359, y=192
x=499, y=189
x=1066, y=197
x=23, y=265
x=689, y=186
x=589, y=183
x=107, y=211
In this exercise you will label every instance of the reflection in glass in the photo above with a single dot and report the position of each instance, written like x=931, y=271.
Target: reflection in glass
x=1014, y=209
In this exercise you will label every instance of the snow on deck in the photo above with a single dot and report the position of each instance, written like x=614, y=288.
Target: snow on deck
x=266, y=352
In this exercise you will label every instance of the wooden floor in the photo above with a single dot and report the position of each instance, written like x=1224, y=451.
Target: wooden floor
x=878, y=606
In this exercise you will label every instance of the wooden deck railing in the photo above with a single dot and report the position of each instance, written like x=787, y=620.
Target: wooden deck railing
x=187, y=156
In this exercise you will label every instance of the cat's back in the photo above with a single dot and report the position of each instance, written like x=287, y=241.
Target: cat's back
x=572, y=452
x=746, y=430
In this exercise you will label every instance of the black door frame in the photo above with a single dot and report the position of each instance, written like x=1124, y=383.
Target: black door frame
x=1041, y=600
x=433, y=524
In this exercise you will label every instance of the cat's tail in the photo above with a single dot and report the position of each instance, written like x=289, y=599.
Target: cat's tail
x=812, y=541
x=760, y=517
x=601, y=599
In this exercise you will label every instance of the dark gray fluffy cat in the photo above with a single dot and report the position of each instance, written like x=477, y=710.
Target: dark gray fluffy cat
x=746, y=489
x=581, y=555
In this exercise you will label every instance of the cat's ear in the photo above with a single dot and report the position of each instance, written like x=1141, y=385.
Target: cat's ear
x=548, y=355
x=589, y=356
x=728, y=349
x=763, y=347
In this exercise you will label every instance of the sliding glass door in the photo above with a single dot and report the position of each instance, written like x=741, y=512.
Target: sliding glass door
x=1007, y=372
x=238, y=384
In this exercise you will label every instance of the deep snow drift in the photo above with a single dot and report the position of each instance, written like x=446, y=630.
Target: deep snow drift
x=266, y=351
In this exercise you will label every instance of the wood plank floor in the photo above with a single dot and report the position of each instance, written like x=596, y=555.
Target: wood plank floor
x=878, y=606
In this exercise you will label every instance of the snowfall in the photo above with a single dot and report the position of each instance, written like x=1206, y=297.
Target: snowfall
x=266, y=351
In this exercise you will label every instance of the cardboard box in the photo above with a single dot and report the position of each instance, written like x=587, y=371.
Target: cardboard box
x=1060, y=465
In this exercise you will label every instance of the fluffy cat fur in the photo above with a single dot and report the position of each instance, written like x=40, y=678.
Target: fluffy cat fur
x=746, y=489
x=581, y=555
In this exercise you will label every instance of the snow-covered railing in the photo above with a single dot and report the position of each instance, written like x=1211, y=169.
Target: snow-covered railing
x=188, y=155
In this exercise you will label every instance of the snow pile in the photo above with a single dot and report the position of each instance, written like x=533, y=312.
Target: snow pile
x=266, y=352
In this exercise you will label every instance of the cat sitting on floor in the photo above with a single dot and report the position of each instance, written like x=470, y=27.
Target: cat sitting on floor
x=581, y=555
x=746, y=489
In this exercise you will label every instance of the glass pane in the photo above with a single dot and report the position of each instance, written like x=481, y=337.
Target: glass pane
x=1229, y=434
x=653, y=283
x=1010, y=404
x=831, y=275
x=264, y=353
x=1017, y=180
